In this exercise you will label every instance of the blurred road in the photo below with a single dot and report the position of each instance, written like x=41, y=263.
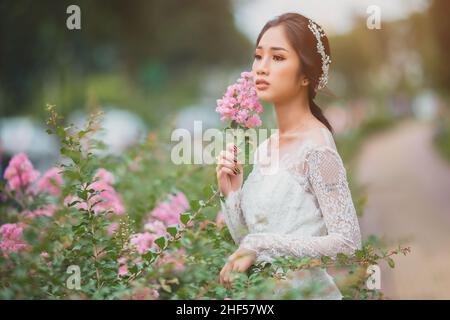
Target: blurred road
x=408, y=187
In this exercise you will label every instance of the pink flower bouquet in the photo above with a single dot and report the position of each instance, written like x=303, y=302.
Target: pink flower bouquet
x=240, y=103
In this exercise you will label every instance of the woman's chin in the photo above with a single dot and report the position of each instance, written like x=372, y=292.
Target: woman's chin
x=263, y=95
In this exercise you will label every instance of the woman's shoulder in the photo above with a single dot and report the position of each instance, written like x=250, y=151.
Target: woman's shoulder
x=315, y=138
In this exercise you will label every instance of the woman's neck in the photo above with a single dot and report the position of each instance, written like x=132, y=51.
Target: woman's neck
x=294, y=115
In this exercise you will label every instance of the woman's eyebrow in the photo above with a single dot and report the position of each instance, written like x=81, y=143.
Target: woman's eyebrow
x=273, y=48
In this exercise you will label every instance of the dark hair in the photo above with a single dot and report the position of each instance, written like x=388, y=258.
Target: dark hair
x=305, y=44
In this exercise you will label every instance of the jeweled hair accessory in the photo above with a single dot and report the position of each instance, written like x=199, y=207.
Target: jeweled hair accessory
x=319, y=33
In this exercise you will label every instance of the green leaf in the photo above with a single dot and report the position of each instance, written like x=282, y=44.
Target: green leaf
x=185, y=217
x=148, y=255
x=61, y=132
x=74, y=203
x=172, y=230
x=194, y=204
x=72, y=175
x=161, y=242
x=341, y=257
x=82, y=133
x=391, y=262
x=359, y=254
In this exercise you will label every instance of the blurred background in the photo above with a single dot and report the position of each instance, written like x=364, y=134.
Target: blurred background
x=157, y=65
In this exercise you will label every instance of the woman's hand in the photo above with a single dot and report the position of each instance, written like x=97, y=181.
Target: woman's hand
x=239, y=261
x=228, y=178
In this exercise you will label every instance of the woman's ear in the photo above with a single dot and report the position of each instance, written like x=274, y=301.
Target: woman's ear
x=304, y=81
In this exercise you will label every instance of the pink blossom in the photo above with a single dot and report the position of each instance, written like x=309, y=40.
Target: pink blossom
x=122, y=260
x=240, y=103
x=157, y=227
x=146, y=294
x=44, y=255
x=112, y=228
x=169, y=211
x=123, y=270
x=143, y=241
x=69, y=199
x=175, y=259
x=105, y=176
x=111, y=200
x=166, y=213
x=51, y=182
x=253, y=121
x=20, y=173
x=11, y=238
x=47, y=210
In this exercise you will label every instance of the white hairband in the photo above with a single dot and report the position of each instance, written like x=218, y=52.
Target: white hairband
x=318, y=33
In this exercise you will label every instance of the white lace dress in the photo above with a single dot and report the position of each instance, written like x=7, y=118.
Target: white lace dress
x=297, y=205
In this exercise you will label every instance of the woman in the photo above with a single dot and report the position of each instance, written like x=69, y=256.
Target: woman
x=304, y=208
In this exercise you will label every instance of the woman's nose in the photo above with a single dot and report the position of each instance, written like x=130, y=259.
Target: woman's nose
x=262, y=67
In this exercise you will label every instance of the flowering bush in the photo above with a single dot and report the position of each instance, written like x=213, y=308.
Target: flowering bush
x=88, y=229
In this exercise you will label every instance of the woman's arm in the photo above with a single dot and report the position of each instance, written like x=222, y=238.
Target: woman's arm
x=327, y=177
x=231, y=209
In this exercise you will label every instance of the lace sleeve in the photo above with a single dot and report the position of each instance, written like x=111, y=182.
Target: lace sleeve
x=327, y=177
x=232, y=212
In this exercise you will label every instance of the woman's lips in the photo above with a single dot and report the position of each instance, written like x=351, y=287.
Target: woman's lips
x=262, y=84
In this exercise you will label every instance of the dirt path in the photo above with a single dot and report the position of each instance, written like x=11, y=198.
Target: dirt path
x=408, y=187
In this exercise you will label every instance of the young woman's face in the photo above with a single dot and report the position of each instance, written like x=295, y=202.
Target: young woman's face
x=277, y=63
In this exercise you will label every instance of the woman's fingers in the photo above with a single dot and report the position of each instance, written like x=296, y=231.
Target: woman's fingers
x=229, y=273
x=221, y=274
x=227, y=155
x=227, y=164
x=225, y=170
x=224, y=274
x=233, y=274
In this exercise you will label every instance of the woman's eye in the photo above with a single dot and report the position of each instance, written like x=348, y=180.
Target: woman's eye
x=257, y=56
x=278, y=58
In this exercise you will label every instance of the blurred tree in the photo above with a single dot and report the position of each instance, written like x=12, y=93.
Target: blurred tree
x=439, y=12
x=148, y=40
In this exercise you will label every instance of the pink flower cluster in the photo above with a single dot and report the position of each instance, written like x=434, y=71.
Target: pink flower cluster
x=111, y=199
x=165, y=214
x=169, y=211
x=20, y=174
x=46, y=210
x=174, y=259
x=145, y=293
x=11, y=238
x=240, y=103
x=51, y=182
